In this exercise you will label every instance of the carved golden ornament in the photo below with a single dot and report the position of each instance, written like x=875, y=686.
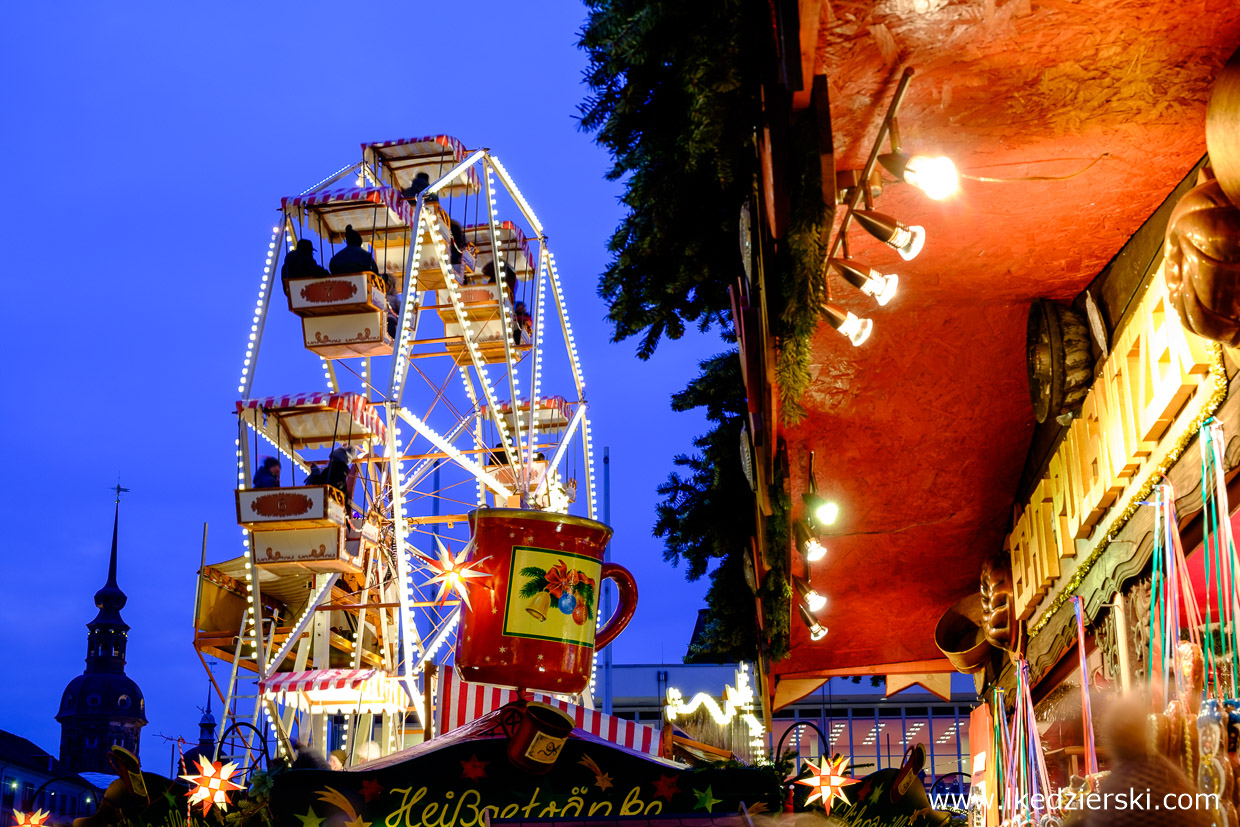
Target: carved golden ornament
x=1203, y=263
x=1218, y=393
x=998, y=602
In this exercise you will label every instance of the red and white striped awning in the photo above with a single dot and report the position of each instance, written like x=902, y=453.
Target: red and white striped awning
x=461, y=702
x=337, y=690
x=435, y=155
x=514, y=247
x=545, y=403
x=368, y=209
x=317, y=418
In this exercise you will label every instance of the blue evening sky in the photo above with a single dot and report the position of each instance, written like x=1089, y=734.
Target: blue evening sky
x=147, y=146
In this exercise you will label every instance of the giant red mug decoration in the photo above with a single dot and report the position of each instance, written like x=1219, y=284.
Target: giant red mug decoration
x=531, y=623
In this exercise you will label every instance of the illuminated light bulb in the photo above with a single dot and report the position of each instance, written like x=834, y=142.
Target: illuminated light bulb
x=905, y=240
x=813, y=600
x=823, y=512
x=867, y=279
x=854, y=327
x=816, y=630
x=808, y=543
x=935, y=176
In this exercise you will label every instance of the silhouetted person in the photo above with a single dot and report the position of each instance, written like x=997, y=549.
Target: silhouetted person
x=268, y=474
x=339, y=472
x=300, y=263
x=522, y=323
x=354, y=258
x=420, y=182
x=510, y=276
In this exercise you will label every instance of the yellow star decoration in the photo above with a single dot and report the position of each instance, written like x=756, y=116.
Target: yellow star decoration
x=211, y=784
x=310, y=819
x=330, y=795
x=453, y=573
x=34, y=819
x=828, y=781
x=357, y=822
x=706, y=799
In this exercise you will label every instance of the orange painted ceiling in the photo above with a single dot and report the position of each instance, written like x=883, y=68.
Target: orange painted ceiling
x=920, y=434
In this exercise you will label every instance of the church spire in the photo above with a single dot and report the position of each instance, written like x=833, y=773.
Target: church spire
x=110, y=599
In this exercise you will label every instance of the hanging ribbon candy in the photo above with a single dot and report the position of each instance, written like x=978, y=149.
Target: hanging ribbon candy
x=1170, y=590
x=1026, y=785
x=1220, y=562
x=1087, y=717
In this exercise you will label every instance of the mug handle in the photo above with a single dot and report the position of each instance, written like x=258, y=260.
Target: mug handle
x=626, y=589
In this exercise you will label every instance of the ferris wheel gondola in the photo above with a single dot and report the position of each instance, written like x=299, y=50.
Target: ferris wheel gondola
x=435, y=411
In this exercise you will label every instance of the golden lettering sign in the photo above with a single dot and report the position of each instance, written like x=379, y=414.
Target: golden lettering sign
x=1146, y=396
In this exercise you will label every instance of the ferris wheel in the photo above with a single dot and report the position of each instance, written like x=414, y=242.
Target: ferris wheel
x=451, y=381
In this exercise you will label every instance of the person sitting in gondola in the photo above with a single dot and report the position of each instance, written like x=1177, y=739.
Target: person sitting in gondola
x=300, y=263
x=510, y=276
x=354, y=258
x=340, y=472
x=420, y=182
x=268, y=474
x=522, y=324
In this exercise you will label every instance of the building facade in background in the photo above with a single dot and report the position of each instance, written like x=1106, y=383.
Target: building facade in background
x=31, y=780
x=860, y=722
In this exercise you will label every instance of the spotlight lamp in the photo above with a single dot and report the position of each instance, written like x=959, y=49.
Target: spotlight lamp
x=854, y=327
x=816, y=630
x=867, y=279
x=936, y=177
x=807, y=543
x=905, y=240
x=821, y=511
x=813, y=600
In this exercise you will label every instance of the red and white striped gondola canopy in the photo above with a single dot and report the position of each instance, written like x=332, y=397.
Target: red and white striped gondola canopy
x=317, y=418
x=368, y=209
x=338, y=690
x=435, y=155
x=514, y=247
x=380, y=215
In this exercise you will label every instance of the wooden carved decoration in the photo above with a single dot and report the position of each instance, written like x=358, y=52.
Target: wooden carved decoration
x=1060, y=361
x=282, y=504
x=1202, y=264
x=1137, y=601
x=998, y=602
x=1223, y=128
x=328, y=290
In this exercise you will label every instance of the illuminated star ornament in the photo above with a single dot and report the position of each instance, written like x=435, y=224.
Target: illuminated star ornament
x=453, y=572
x=828, y=781
x=211, y=784
x=35, y=819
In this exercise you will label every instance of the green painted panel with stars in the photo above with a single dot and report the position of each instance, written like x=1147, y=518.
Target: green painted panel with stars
x=454, y=787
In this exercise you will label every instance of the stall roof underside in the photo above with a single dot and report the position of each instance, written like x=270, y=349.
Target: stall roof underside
x=921, y=433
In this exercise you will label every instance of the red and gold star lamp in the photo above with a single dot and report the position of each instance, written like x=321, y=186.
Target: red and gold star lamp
x=452, y=573
x=828, y=781
x=211, y=784
x=35, y=819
